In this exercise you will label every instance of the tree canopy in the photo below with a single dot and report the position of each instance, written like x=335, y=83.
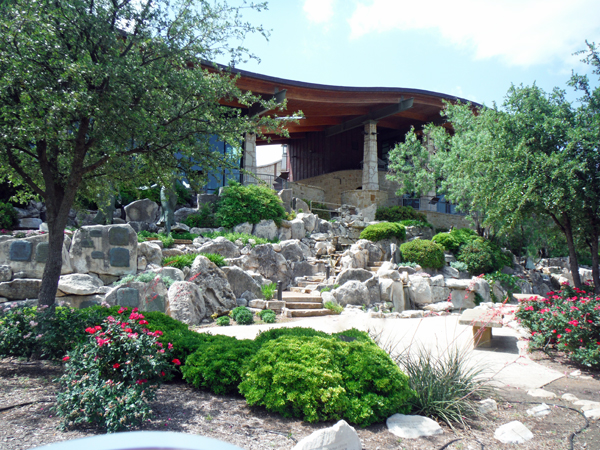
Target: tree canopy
x=97, y=92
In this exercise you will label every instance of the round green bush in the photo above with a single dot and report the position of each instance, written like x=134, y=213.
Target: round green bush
x=267, y=316
x=243, y=316
x=252, y=203
x=386, y=230
x=223, y=321
x=217, y=366
x=323, y=378
x=398, y=213
x=464, y=235
x=424, y=252
x=448, y=241
x=270, y=335
x=8, y=216
x=483, y=256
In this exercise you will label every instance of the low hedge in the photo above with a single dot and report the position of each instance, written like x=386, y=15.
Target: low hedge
x=398, y=213
x=385, y=230
x=423, y=252
x=448, y=241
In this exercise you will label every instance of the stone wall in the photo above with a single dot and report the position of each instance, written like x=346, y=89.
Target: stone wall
x=308, y=192
x=441, y=220
x=29, y=255
x=363, y=198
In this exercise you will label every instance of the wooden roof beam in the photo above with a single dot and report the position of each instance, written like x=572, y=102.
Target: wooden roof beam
x=257, y=109
x=378, y=114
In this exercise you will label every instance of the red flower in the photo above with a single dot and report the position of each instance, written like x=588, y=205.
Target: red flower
x=568, y=330
x=176, y=362
x=116, y=365
x=66, y=358
x=134, y=310
x=122, y=309
x=143, y=322
x=98, y=327
x=162, y=374
x=170, y=346
x=90, y=330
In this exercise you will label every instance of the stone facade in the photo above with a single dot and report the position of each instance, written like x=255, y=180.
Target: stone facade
x=441, y=220
x=314, y=193
x=250, y=154
x=370, y=178
x=364, y=198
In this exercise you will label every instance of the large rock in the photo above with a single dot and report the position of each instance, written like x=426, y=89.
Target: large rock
x=462, y=299
x=392, y=291
x=294, y=250
x=439, y=294
x=340, y=436
x=298, y=229
x=151, y=251
x=265, y=261
x=5, y=274
x=513, y=433
x=20, y=289
x=29, y=255
x=110, y=250
x=310, y=221
x=29, y=224
x=284, y=234
x=412, y=427
x=221, y=246
x=353, y=274
x=372, y=285
x=241, y=282
x=185, y=303
x=216, y=290
x=173, y=273
x=355, y=259
x=265, y=229
x=375, y=253
x=352, y=293
x=245, y=228
x=368, y=212
x=80, y=284
x=151, y=296
x=183, y=213
x=419, y=290
x=144, y=210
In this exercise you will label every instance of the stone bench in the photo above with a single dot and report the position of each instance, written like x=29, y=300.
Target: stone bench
x=482, y=321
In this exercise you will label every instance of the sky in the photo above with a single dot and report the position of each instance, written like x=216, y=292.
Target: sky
x=474, y=49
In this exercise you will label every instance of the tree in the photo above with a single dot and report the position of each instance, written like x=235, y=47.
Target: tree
x=94, y=92
x=501, y=165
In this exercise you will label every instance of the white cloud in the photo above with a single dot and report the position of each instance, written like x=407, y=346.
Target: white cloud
x=319, y=11
x=522, y=32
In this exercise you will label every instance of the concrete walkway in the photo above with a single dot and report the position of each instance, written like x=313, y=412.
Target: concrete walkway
x=504, y=363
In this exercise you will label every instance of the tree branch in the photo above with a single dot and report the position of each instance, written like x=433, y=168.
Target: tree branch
x=15, y=165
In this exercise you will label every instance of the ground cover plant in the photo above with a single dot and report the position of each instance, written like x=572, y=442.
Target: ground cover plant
x=568, y=321
x=167, y=241
x=399, y=213
x=423, y=252
x=205, y=218
x=181, y=261
x=333, y=306
x=415, y=223
x=386, y=230
x=244, y=237
x=145, y=277
x=110, y=378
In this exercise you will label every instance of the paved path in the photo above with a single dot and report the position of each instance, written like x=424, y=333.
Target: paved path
x=504, y=363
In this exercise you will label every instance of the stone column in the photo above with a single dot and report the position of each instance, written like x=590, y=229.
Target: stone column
x=250, y=157
x=370, y=179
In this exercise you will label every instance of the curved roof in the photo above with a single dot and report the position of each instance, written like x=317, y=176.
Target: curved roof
x=325, y=106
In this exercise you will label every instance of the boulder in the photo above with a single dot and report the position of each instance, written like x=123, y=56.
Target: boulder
x=375, y=253
x=284, y=234
x=355, y=259
x=151, y=296
x=29, y=223
x=29, y=255
x=462, y=299
x=179, y=227
x=513, y=433
x=144, y=210
x=20, y=289
x=372, y=284
x=353, y=274
x=419, y=290
x=439, y=294
x=5, y=274
x=241, y=282
x=185, y=303
x=80, y=301
x=325, y=226
x=286, y=199
x=439, y=307
x=412, y=427
x=151, y=251
x=221, y=246
x=183, y=213
x=298, y=230
x=310, y=221
x=265, y=229
x=104, y=249
x=171, y=272
x=245, y=228
x=352, y=293
x=368, y=213
x=306, y=269
x=392, y=291
x=216, y=290
x=340, y=436
x=266, y=262
x=294, y=250
x=81, y=284
x=450, y=272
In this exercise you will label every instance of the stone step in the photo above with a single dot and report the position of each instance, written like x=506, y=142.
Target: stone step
x=315, y=278
x=303, y=290
x=308, y=283
x=307, y=312
x=288, y=296
x=304, y=305
x=377, y=263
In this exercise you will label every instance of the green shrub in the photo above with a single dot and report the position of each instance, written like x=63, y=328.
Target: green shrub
x=482, y=256
x=237, y=310
x=354, y=334
x=252, y=203
x=415, y=223
x=424, y=252
x=145, y=277
x=205, y=218
x=184, y=235
x=556, y=323
x=217, y=366
x=245, y=317
x=386, y=230
x=269, y=290
x=244, y=237
x=223, y=321
x=446, y=386
x=320, y=209
x=398, y=213
x=8, y=216
x=332, y=306
x=167, y=241
x=181, y=261
x=112, y=377
x=508, y=282
x=269, y=335
x=323, y=378
x=448, y=241
x=460, y=266
x=464, y=235
x=268, y=316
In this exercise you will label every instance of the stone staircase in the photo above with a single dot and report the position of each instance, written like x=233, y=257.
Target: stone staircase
x=374, y=267
x=304, y=300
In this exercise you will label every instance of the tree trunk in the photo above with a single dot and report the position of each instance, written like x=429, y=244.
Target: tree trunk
x=594, y=251
x=573, y=263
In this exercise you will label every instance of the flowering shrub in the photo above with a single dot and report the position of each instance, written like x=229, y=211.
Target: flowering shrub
x=110, y=379
x=568, y=320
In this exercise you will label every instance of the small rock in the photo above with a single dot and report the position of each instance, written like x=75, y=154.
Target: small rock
x=339, y=436
x=513, y=433
x=487, y=406
x=593, y=414
x=412, y=427
x=539, y=411
x=541, y=393
x=439, y=307
x=589, y=405
x=411, y=314
x=575, y=373
x=569, y=397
